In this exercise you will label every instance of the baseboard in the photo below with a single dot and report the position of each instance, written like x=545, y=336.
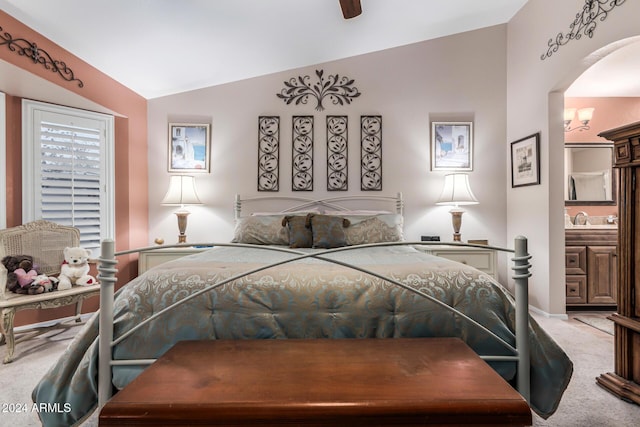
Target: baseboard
x=537, y=311
x=83, y=317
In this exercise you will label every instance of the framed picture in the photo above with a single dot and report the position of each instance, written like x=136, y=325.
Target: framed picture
x=189, y=147
x=452, y=146
x=525, y=161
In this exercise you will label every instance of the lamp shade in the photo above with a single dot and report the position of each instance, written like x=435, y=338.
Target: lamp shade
x=457, y=191
x=585, y=114
x=569, y=114
x=182, y=191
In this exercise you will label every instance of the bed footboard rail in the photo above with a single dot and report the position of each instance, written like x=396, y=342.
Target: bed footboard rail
x=521, y=279
x=107, y=276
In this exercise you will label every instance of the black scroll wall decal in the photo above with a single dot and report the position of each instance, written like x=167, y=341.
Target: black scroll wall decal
x=584, y=23
x=302, y=154
x=298, y=90
x=371, y=153
x=268, y=153
x=39, y=56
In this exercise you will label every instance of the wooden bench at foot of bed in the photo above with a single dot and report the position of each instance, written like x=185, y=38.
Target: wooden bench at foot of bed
x=412, y=381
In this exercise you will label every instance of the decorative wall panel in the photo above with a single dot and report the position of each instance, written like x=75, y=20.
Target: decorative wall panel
x=302, y=154
x=337, y=150
x=371, y=153
x=268, y=153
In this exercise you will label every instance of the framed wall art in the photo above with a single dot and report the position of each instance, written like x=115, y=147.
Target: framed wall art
x=371, y=153
x=452, y=146
x=525, y=161
x=268, y=153
x=302, y=153
x=337, y=153
x=189, y=147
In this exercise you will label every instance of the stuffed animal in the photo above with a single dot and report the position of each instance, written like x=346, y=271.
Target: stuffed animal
x=19, y=265
x=75, y=268
x=43, y=283
x=25, y=277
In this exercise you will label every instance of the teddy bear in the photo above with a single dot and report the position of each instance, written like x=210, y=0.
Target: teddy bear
x=75, y=268
x=20, y=272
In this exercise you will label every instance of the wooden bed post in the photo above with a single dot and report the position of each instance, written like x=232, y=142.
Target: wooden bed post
x=521, y=276
x=107, y=277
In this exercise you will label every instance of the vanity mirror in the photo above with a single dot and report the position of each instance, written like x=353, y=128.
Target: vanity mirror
x=589, y=176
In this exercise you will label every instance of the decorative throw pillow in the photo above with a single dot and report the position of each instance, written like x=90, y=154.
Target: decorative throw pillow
x=374, y=229
x=299, y=231
x=261, y=230
x=327, y=230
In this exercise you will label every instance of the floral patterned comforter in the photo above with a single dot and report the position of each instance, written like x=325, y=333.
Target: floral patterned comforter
x=306, y=298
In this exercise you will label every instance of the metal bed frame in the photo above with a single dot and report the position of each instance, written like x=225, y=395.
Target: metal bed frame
x=107, y=277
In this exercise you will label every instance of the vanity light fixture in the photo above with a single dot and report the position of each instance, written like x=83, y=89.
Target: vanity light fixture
x=584, y=116
x=456, y=192
x=182, y=192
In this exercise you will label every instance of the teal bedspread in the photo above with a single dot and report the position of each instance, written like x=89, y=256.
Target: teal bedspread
x=306, y=298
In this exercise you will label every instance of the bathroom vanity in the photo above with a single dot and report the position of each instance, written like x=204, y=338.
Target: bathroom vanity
x=590, y=262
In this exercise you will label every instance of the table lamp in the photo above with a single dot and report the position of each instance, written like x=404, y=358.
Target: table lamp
x=182, y=192
x=456, y=193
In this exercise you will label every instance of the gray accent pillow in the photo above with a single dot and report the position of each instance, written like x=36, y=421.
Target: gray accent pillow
x=328, y=231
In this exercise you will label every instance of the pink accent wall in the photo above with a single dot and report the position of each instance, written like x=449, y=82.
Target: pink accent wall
x=131, y=180
x=609, y=113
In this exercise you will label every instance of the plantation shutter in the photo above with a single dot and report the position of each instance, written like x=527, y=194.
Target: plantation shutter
x=70, y=178
x=70, y=170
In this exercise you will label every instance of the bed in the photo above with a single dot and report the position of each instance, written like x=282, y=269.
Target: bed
x=361, y=280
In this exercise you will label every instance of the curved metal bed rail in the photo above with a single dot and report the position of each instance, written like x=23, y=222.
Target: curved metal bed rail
x=107, y=272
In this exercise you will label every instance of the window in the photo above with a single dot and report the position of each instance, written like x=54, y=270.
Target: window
x=68, y=170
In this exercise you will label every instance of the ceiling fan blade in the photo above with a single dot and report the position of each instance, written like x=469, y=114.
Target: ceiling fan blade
x=350, y=8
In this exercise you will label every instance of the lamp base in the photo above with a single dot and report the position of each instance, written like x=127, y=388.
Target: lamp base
x=456, y=220
x=182, y=225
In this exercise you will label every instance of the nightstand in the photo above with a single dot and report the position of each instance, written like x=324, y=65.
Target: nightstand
x=155, y=257
x=484, y=260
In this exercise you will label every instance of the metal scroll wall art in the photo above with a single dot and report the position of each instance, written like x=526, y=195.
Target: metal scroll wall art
x=298, y=90
x=268, y=153
x=584, y=23
x=371, y=153
x=337, y=153
x=30, y=50
x=302, y=154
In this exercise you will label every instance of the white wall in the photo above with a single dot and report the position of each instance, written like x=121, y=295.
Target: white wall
x=534, y=103
x=456, y=78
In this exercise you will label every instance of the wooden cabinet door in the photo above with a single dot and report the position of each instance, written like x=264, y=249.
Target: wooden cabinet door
x=575, y=260
x=601, y=275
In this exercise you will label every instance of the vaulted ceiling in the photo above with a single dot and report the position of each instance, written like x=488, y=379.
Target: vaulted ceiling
x=160, y=47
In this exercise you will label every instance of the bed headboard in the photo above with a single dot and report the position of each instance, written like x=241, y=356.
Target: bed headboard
x=297, y=203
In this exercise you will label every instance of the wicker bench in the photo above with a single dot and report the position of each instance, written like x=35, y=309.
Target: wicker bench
x=45, y=242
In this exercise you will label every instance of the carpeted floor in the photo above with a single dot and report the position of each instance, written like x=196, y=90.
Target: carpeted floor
x=584, y=403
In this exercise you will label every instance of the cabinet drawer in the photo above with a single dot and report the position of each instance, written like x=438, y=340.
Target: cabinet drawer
x=481, y=261
x=156, y=257
x=576, y=289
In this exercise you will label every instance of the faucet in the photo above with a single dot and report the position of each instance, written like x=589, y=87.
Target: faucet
x=581, y=213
